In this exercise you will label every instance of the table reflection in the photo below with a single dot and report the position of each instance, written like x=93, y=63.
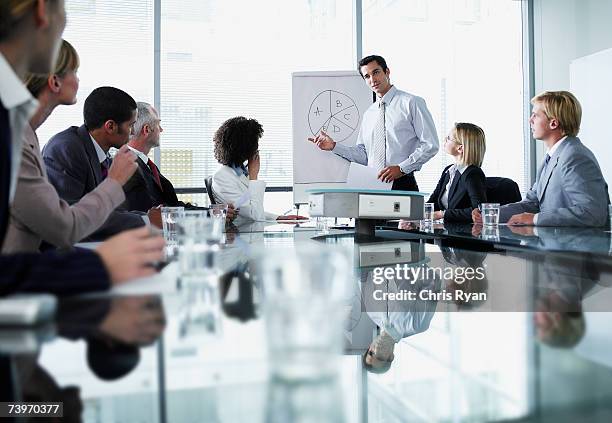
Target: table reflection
x=537, y=344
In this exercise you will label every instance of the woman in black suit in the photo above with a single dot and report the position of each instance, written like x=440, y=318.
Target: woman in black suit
x=461, y=187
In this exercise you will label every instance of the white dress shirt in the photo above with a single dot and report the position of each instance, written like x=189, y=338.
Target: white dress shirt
x=550, y=153
x=99, y=152
x=411, y=134
x=142, y=156
x=451, y=171
x=231, y=185
x=20, y=105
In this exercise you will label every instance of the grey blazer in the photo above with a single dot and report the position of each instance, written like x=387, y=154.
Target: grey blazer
x=37, y=212
x=74, y=170
x=571, y=192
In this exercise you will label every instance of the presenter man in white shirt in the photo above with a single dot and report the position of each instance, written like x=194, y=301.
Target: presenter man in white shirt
x=397, y=135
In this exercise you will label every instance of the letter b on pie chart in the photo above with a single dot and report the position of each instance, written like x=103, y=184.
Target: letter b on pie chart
x=335, y=113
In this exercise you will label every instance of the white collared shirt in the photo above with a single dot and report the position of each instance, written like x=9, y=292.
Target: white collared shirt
x=451, y=171
x=410, y=132
x=556, y=146
x=142, y=156
x=102, y=155
x=20, y=105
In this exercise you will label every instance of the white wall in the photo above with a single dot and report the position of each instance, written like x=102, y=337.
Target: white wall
x=565, y=30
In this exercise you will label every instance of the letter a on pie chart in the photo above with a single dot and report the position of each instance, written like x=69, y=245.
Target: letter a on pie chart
x=334, y=113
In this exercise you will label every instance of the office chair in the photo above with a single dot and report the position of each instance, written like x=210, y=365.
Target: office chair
x=502, y=190
x=208, y=183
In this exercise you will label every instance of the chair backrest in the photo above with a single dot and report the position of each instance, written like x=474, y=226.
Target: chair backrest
x=208, y=183
x=502, y=190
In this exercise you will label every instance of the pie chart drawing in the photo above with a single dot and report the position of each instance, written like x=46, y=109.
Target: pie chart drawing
x=335, y=113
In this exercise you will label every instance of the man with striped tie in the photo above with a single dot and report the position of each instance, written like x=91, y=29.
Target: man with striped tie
x=397, y=135
x=149, y=188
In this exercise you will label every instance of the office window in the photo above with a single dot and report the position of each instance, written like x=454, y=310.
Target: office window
x=464, y=57
x=114, y=40
x=221, y=59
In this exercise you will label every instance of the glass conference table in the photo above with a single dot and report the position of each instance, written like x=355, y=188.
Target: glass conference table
x=537, y=347
x=504, y=237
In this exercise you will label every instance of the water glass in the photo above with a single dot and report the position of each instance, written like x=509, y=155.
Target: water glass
x=428, y=212
x=323, y=224
x=218, y=210
x=490, y=213
x=304, y=290
x=426, y=226
x=170, y=215
x=199, y=236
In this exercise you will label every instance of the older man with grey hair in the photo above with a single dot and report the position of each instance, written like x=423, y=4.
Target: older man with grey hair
x=148, y=187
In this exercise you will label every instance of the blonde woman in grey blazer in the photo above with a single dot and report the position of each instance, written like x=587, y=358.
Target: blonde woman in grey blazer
x=37, y=212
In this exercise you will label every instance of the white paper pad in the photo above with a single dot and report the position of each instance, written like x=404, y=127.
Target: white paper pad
x=364, y=177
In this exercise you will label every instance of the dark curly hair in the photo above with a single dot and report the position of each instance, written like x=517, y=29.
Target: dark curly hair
x=237, y=140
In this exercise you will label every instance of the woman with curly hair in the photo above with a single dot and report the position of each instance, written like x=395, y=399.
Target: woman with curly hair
x=237, y=142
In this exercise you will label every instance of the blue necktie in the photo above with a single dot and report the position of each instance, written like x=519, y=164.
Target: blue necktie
x=543, y=172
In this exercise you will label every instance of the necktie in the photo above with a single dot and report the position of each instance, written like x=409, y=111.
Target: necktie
x=155, y=172
x=104, y=166
x=542, y=173
x=377, y=158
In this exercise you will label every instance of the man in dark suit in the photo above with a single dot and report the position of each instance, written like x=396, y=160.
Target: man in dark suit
x=29, y=41
x=148, y=188
x=77, y=159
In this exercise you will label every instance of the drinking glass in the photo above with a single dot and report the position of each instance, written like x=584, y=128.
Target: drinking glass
x=218, y=210
x=303, y=294
x=199, y=236
x=170, y=215
x=490, y=213
x=428, y=212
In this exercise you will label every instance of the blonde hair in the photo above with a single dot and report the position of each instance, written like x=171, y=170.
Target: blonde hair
x=472, y=138
x=11, y=12
x=562, y=106
x=67, y=61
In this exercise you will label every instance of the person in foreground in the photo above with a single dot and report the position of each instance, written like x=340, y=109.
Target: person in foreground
x=30, y=34
x=237, y=142
x=569, y=189
x=397, y=134
x=37, y=212
x=148, y=187
x=462, y=186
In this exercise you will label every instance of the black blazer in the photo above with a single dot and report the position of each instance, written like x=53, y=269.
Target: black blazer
x=79, y=271
x=142, y=192
x=74, y=170
x=465, y=194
